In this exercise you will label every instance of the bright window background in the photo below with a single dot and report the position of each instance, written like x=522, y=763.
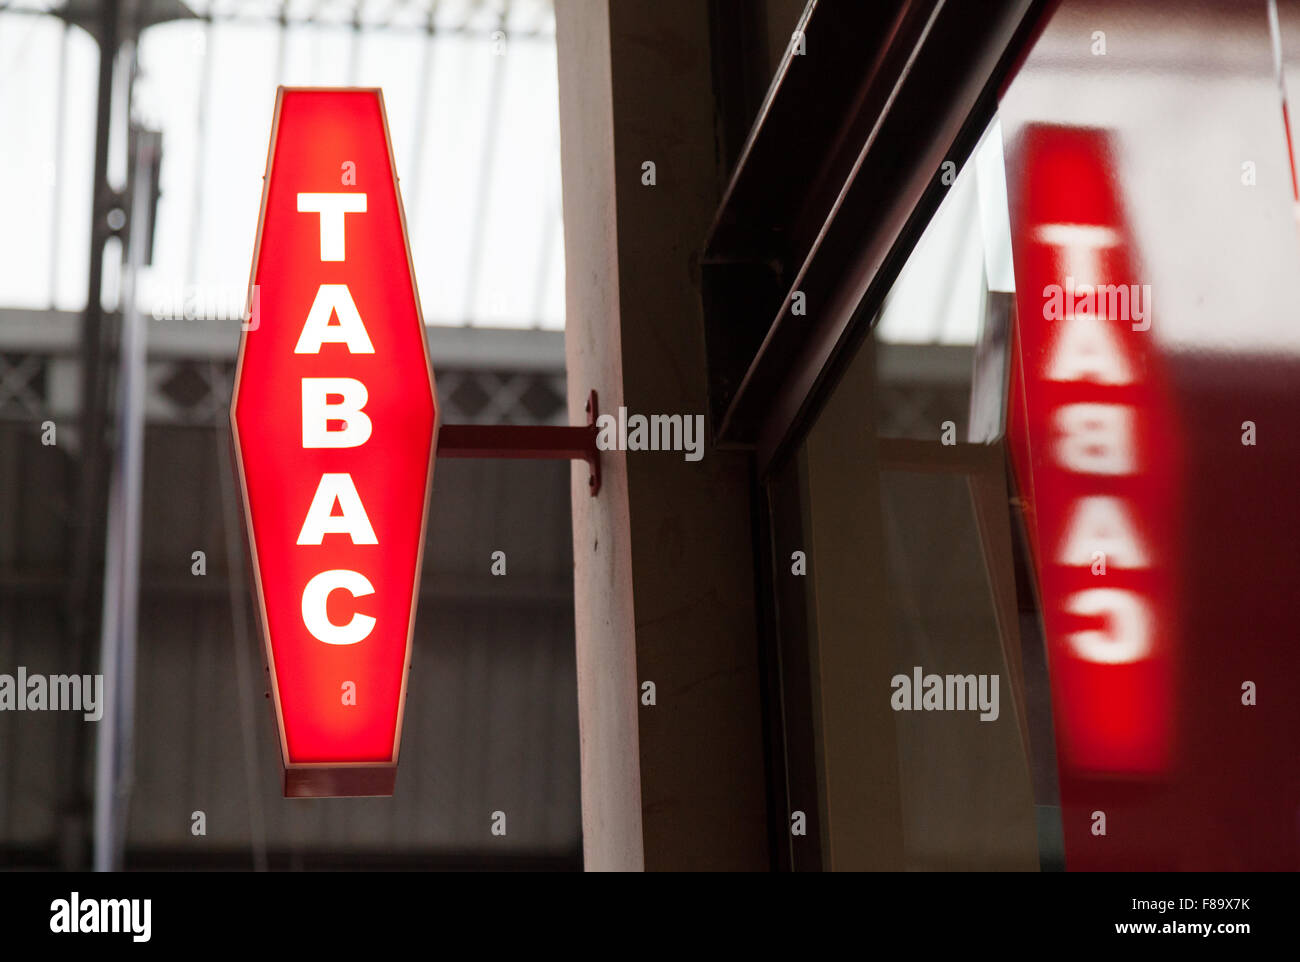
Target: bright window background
x=472, y=111
x=965, y=251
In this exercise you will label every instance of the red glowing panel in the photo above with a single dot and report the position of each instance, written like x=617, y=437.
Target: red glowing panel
x=1095, y=451
x=334, y=420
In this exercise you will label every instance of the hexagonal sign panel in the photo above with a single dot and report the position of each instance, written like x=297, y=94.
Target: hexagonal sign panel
x=335, y=424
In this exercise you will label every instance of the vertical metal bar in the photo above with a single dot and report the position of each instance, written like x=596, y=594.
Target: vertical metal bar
x=86, y=522
x=354, y=47
x=1279, y=69
x=115, y=734
x=491, y=123
x=200, y=168
x=110, y=668
x=1279, y=75
x=113, y=762
x=56, y=200
x=282, y=42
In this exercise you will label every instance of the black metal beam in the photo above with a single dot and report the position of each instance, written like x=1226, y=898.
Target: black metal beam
x=839, y=177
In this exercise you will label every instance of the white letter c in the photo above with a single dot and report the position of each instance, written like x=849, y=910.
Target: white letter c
x=315, y=596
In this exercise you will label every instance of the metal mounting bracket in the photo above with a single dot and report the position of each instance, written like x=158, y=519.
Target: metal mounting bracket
x=532, y=441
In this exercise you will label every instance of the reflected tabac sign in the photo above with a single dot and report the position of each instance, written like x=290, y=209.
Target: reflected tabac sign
x=1095, y=447
x=334, y=421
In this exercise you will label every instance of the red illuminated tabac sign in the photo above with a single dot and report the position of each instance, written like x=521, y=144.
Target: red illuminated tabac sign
x=335, y=421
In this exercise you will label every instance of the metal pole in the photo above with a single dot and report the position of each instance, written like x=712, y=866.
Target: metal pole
x=116, y=735
x=200, y=167
x=86, y=522
x=56, y=206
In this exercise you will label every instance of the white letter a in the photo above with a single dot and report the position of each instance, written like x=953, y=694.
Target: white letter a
x=333, y=299
x=321, y=519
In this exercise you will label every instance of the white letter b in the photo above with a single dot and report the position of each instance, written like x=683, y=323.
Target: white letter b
x=317, y=412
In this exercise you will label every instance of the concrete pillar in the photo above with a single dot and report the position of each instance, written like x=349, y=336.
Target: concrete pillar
x=663, y=563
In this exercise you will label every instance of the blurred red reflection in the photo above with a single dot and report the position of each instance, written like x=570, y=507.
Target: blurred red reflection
x=1096, y=457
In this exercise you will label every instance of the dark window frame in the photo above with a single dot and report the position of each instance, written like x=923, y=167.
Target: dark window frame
x=833, y=187
x=836, y=182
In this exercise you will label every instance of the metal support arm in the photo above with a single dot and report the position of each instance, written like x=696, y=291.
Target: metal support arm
x=526, y=441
